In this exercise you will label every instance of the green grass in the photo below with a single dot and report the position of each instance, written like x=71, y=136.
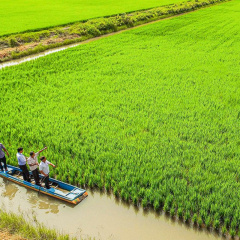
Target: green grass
x=16, y=224
x=153, y=114
x=22, y=15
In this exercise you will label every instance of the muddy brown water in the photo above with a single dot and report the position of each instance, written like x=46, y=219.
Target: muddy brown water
x=100, y=215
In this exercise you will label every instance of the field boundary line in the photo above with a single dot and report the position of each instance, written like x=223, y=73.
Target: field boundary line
x=44, y=42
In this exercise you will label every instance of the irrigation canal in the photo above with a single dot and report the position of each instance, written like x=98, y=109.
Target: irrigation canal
x=100, y=216
x=57, y=49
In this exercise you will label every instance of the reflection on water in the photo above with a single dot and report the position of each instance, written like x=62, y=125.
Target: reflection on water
x=100, y=216
x=37, y=200
x=10, y=189
x=40, y=201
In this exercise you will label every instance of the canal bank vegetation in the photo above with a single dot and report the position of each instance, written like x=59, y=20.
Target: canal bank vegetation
x=16, y=225
x=23, y=44
x=30, y=15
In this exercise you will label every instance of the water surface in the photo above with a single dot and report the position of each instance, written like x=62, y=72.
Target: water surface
x=100, y=215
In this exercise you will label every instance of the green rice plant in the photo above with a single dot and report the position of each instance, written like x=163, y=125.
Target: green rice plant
x=144, y=203
x=107, y=186
x=126, y=197
x=227, y=222
x=156, y=205
x=135, y=200
x=208, y=222
x=172, y=212
x=232, y=232
x=224, y=230
x=234, y=224
x=199, y=221
x=166, y=207
x=115, y=191
x=216, y=224
x=81, y=182
x=180, y=213
x=203, y=214
x=122, y=193
x=194, y=218
x=186, y=216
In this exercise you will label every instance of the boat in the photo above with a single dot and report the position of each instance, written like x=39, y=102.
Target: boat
x=58, y=189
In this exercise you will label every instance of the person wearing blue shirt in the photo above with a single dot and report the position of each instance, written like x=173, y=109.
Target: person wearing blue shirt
x=22, y=164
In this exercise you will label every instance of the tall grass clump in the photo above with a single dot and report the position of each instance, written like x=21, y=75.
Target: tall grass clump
x=16, y=224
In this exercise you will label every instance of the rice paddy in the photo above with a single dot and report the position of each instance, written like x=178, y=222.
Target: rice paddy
x=151, y=114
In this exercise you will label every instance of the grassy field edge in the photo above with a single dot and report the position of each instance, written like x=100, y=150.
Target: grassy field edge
x=80, y=21
x=24, y=44
x=17, y=225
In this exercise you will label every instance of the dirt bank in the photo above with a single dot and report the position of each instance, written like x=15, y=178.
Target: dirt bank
x=5, y=235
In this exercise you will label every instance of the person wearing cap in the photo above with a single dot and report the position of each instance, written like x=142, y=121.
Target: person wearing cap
x=44, y=170
x=22, y=164
x=2, y=157
x=33, y=164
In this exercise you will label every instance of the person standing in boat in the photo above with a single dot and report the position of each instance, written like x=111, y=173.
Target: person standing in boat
x=33, y=164
x=44, y=170
x=22, y=164
x=2, y=157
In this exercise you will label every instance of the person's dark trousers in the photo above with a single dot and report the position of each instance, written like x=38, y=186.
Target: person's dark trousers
x=46, y=180
x=3, y=160
x=25, y=172
x=36, y=176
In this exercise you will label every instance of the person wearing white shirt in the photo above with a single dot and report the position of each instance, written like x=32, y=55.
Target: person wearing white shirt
x=22, y=164
x=44, y=170
x=33, y=164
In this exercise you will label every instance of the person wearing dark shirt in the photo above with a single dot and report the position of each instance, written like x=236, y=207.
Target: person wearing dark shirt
x=2, y=157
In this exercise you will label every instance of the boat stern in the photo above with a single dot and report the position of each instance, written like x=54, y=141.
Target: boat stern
x=79, y=199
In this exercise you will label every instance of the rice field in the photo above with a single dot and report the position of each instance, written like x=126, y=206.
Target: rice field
x=22, y=15
x=152, y=114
